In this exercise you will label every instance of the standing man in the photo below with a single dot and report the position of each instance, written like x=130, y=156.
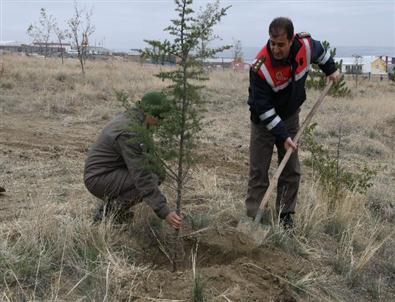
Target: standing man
x=276, y=91
x=116, y=169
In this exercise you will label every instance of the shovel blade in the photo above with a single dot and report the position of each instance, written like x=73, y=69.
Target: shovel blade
x=255, y=231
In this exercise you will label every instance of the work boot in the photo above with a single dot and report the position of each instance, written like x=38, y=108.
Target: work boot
x=286, y=221
x=121, y=214
x=102, y=212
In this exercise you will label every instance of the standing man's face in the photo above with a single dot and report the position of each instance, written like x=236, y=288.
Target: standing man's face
x=280, y=46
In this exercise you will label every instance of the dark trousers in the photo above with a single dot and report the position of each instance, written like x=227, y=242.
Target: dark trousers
x=261, y=151
x=116, y=188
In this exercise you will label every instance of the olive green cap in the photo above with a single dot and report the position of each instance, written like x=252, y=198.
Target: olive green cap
x=155, y=103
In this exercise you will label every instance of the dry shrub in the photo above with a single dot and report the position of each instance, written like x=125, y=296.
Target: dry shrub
x=359, y=234
x=381, y=199
x=312, y=210
x=2, y=69
x=352, y=262
x=49, y=255
x=211, y=202
x=42, y=84
x=7, y=84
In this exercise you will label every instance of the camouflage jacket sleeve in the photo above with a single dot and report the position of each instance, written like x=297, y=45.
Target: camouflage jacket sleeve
x=145, y=181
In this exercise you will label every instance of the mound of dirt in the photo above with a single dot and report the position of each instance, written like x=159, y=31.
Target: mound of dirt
x=229, y=265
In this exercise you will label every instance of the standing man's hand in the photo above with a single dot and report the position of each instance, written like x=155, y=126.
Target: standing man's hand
x=288, y=143
x=174, y=220
x=335, y=77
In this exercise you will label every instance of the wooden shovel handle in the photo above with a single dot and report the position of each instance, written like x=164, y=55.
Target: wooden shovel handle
x=287, y=155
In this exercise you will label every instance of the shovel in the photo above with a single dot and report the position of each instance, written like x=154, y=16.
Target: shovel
x=254, y=228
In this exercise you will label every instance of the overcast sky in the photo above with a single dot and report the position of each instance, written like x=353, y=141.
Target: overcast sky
x=123, y=24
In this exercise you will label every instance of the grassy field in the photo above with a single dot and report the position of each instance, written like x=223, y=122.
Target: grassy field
x=50, y=251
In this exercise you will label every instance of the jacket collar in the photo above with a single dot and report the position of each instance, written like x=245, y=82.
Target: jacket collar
x=291, y=57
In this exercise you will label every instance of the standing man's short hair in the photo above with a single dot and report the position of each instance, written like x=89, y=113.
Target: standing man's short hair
x=281, y=25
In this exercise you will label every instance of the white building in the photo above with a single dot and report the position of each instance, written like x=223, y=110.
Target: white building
x=56, y=46
x=364, y=65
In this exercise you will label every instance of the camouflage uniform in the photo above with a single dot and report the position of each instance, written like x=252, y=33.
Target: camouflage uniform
x=114, y=171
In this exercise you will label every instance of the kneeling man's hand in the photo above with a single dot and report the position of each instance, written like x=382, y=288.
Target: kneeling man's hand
x=174, y=220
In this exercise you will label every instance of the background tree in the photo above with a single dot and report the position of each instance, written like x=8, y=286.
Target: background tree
x=81, y=28
x=61, y=35
x=176, y=135
x=317, y=78
x=208, y=35
x=237, y=51
x=391, y=75
x=157, y=55
x=41, y=32
x=357, y=69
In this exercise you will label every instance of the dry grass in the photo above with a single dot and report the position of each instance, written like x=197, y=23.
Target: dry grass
x=50, y=251
x=61, y=257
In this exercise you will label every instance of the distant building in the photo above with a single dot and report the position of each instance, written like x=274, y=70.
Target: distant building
x=54, y=47
x=98, y=50
x=240, y=65
x=49, y=49
x=363, y=65
x=72, y=52
x=389, y=62
x=219, y=62
x=378, y=66
x=134, y=52
x=11, y=46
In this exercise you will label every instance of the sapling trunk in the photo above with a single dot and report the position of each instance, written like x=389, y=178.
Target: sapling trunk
x=178, y=131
